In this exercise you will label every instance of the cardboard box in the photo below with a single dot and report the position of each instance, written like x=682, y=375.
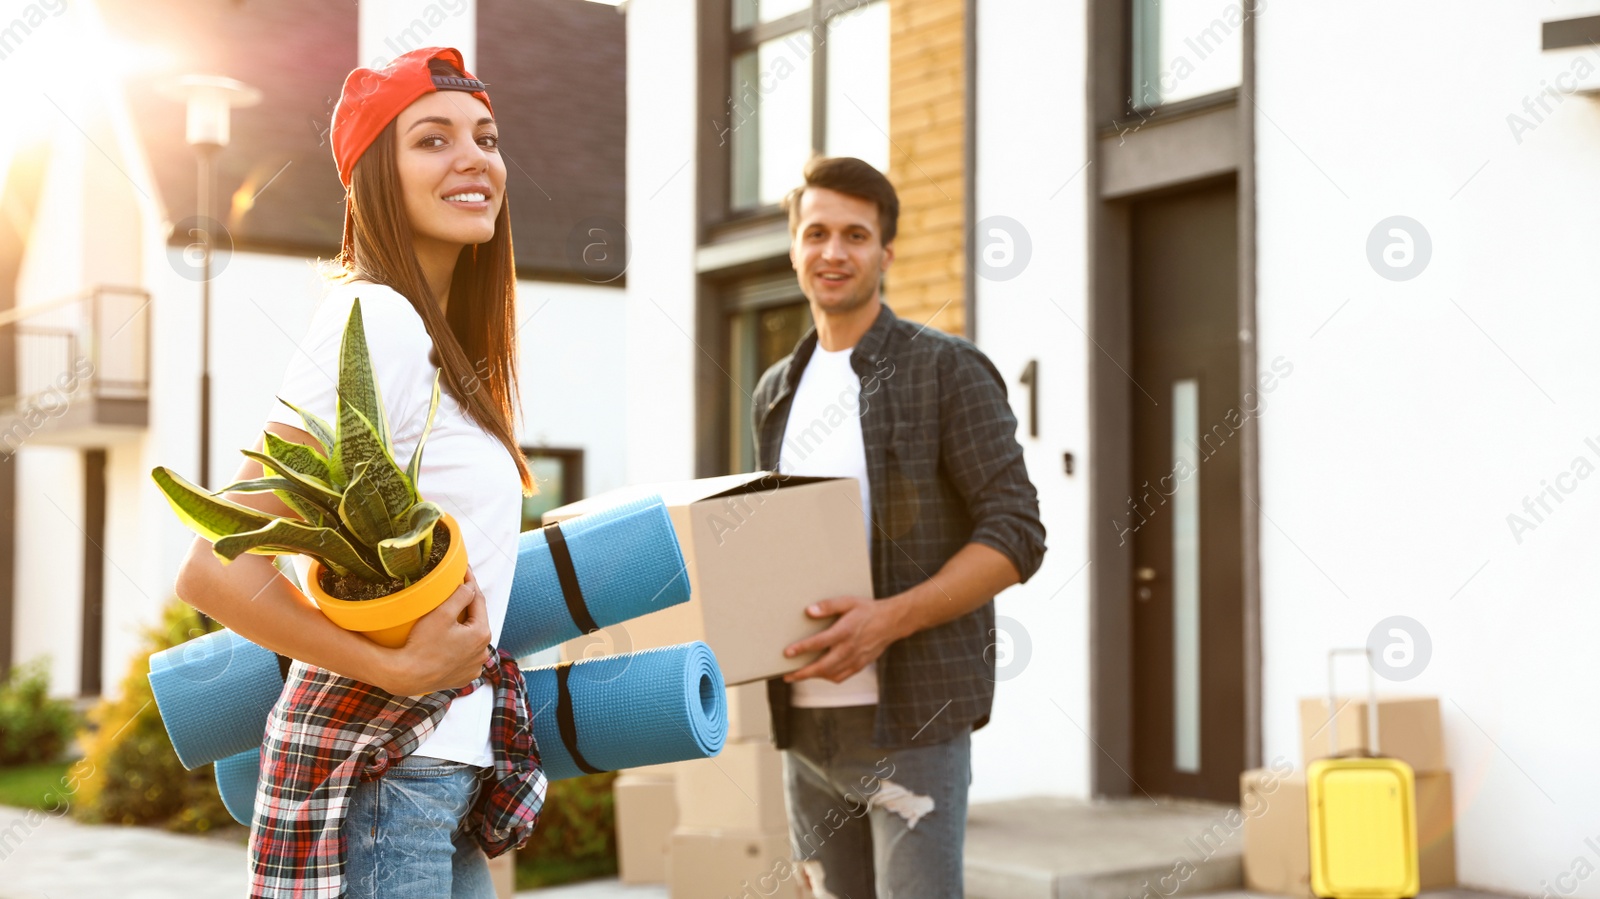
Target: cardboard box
x=1408, y=729
x=749, y=716
x=1436, y=830
x=1277, y=834
x=646, y=814
x=759, y=547
x=739, y=789
x=1277, y=838
x=665, y=771
x=731, y=864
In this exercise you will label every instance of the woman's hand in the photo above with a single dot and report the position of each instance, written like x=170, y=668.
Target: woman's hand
x=447, y=648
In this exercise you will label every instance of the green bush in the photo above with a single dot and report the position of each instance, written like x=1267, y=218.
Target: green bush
x=577, y=834
x=132, y=775
x=34, y=728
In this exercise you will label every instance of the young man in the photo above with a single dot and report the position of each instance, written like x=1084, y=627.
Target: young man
x=877, y=731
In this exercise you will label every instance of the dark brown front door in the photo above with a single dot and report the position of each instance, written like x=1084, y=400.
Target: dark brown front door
x=1183, y=514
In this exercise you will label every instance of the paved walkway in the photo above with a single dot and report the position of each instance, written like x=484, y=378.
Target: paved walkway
x=597, y=889
x=1044, y=848
x=58, y=858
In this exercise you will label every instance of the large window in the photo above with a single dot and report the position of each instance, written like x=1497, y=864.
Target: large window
x=1186, y=48
x=803, y=75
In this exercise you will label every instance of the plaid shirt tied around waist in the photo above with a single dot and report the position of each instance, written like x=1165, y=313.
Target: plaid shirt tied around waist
x=328, y=731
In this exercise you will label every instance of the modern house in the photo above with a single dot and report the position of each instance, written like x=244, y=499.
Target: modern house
x=1291, y=300
x=102, y=273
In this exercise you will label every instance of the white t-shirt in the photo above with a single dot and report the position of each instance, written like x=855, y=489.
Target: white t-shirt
x=464, y=468
x=823, y=438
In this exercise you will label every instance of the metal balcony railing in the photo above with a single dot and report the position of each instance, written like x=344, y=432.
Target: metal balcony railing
x=94, y=345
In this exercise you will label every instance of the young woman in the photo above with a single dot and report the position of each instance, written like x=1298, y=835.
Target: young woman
x=393, y=772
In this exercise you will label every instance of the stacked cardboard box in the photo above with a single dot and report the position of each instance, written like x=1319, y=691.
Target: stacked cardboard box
x=732, y=837
x=646, y=812
x=711, y=827
x=759, y=548
x=1277, y=842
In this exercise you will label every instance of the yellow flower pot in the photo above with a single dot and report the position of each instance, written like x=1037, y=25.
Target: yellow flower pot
x=387, y=620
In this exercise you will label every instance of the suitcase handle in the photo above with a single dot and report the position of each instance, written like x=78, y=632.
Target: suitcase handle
x=1372, y=702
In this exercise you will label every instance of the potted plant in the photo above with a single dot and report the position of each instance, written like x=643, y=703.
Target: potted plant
x=381, y=555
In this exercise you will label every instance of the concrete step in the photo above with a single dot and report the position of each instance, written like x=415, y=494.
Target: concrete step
x=1056, y=848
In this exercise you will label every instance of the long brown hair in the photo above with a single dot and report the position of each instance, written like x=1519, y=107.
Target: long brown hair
x=480, y=321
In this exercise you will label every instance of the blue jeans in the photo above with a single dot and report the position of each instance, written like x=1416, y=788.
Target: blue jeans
x=870, y=823
x=403, y=835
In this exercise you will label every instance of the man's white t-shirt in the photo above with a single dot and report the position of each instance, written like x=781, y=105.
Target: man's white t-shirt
x=464, y=468
x=823, y=438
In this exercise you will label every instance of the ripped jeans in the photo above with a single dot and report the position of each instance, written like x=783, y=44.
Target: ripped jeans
x=401, y=836
x=871, y=823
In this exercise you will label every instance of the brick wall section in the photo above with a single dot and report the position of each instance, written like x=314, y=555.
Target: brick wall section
x=926, y=127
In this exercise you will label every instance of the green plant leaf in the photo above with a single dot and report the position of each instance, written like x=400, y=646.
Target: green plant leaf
x=212, y=517
x=384, y=471
x=406, y=555
x=320, y=492
x=358, y=385
x=414, y=467
x=293, y=494
x=299, y=457
x=363, y=509
x=285, y=536
x=314, y=426
x=309, y=511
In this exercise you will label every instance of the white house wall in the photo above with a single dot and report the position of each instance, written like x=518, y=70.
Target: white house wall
x=661, y=352
x=393, y=27
x=1030, y=191
x=574, y=374
x=1421, y=414
x=49, y=573
x=94, y=217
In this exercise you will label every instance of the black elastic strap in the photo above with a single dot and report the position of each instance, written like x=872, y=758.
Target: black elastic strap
x=565, y=721
x=453, y=83
x=283, y=666
x=568, y=575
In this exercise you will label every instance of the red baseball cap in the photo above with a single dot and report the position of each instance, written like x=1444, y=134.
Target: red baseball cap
x=371, y=99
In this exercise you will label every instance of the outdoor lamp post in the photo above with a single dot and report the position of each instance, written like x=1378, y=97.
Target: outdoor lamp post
x=209, y=100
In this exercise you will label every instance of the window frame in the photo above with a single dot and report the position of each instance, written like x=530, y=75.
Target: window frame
x=1131, y=54
x=719, y=46
x=572, y=474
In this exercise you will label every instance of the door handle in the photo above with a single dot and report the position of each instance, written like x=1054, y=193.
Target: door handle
x=1144, y=576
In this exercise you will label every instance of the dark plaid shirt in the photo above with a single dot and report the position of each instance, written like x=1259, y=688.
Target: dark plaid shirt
x=327, y=731
x=945, y=469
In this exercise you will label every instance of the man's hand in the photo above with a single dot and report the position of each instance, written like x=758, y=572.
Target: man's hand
x=864, y=630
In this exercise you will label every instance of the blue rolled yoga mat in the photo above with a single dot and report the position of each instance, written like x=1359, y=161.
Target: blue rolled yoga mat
x=626, y=557
x=236, y=783
x=600, y=569
x=214, y=693
x=641, y=708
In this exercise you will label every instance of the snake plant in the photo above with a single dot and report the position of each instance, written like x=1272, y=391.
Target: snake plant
x=359, y=512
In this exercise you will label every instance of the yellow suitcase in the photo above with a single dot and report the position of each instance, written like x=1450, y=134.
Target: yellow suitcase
x=1363, y=813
